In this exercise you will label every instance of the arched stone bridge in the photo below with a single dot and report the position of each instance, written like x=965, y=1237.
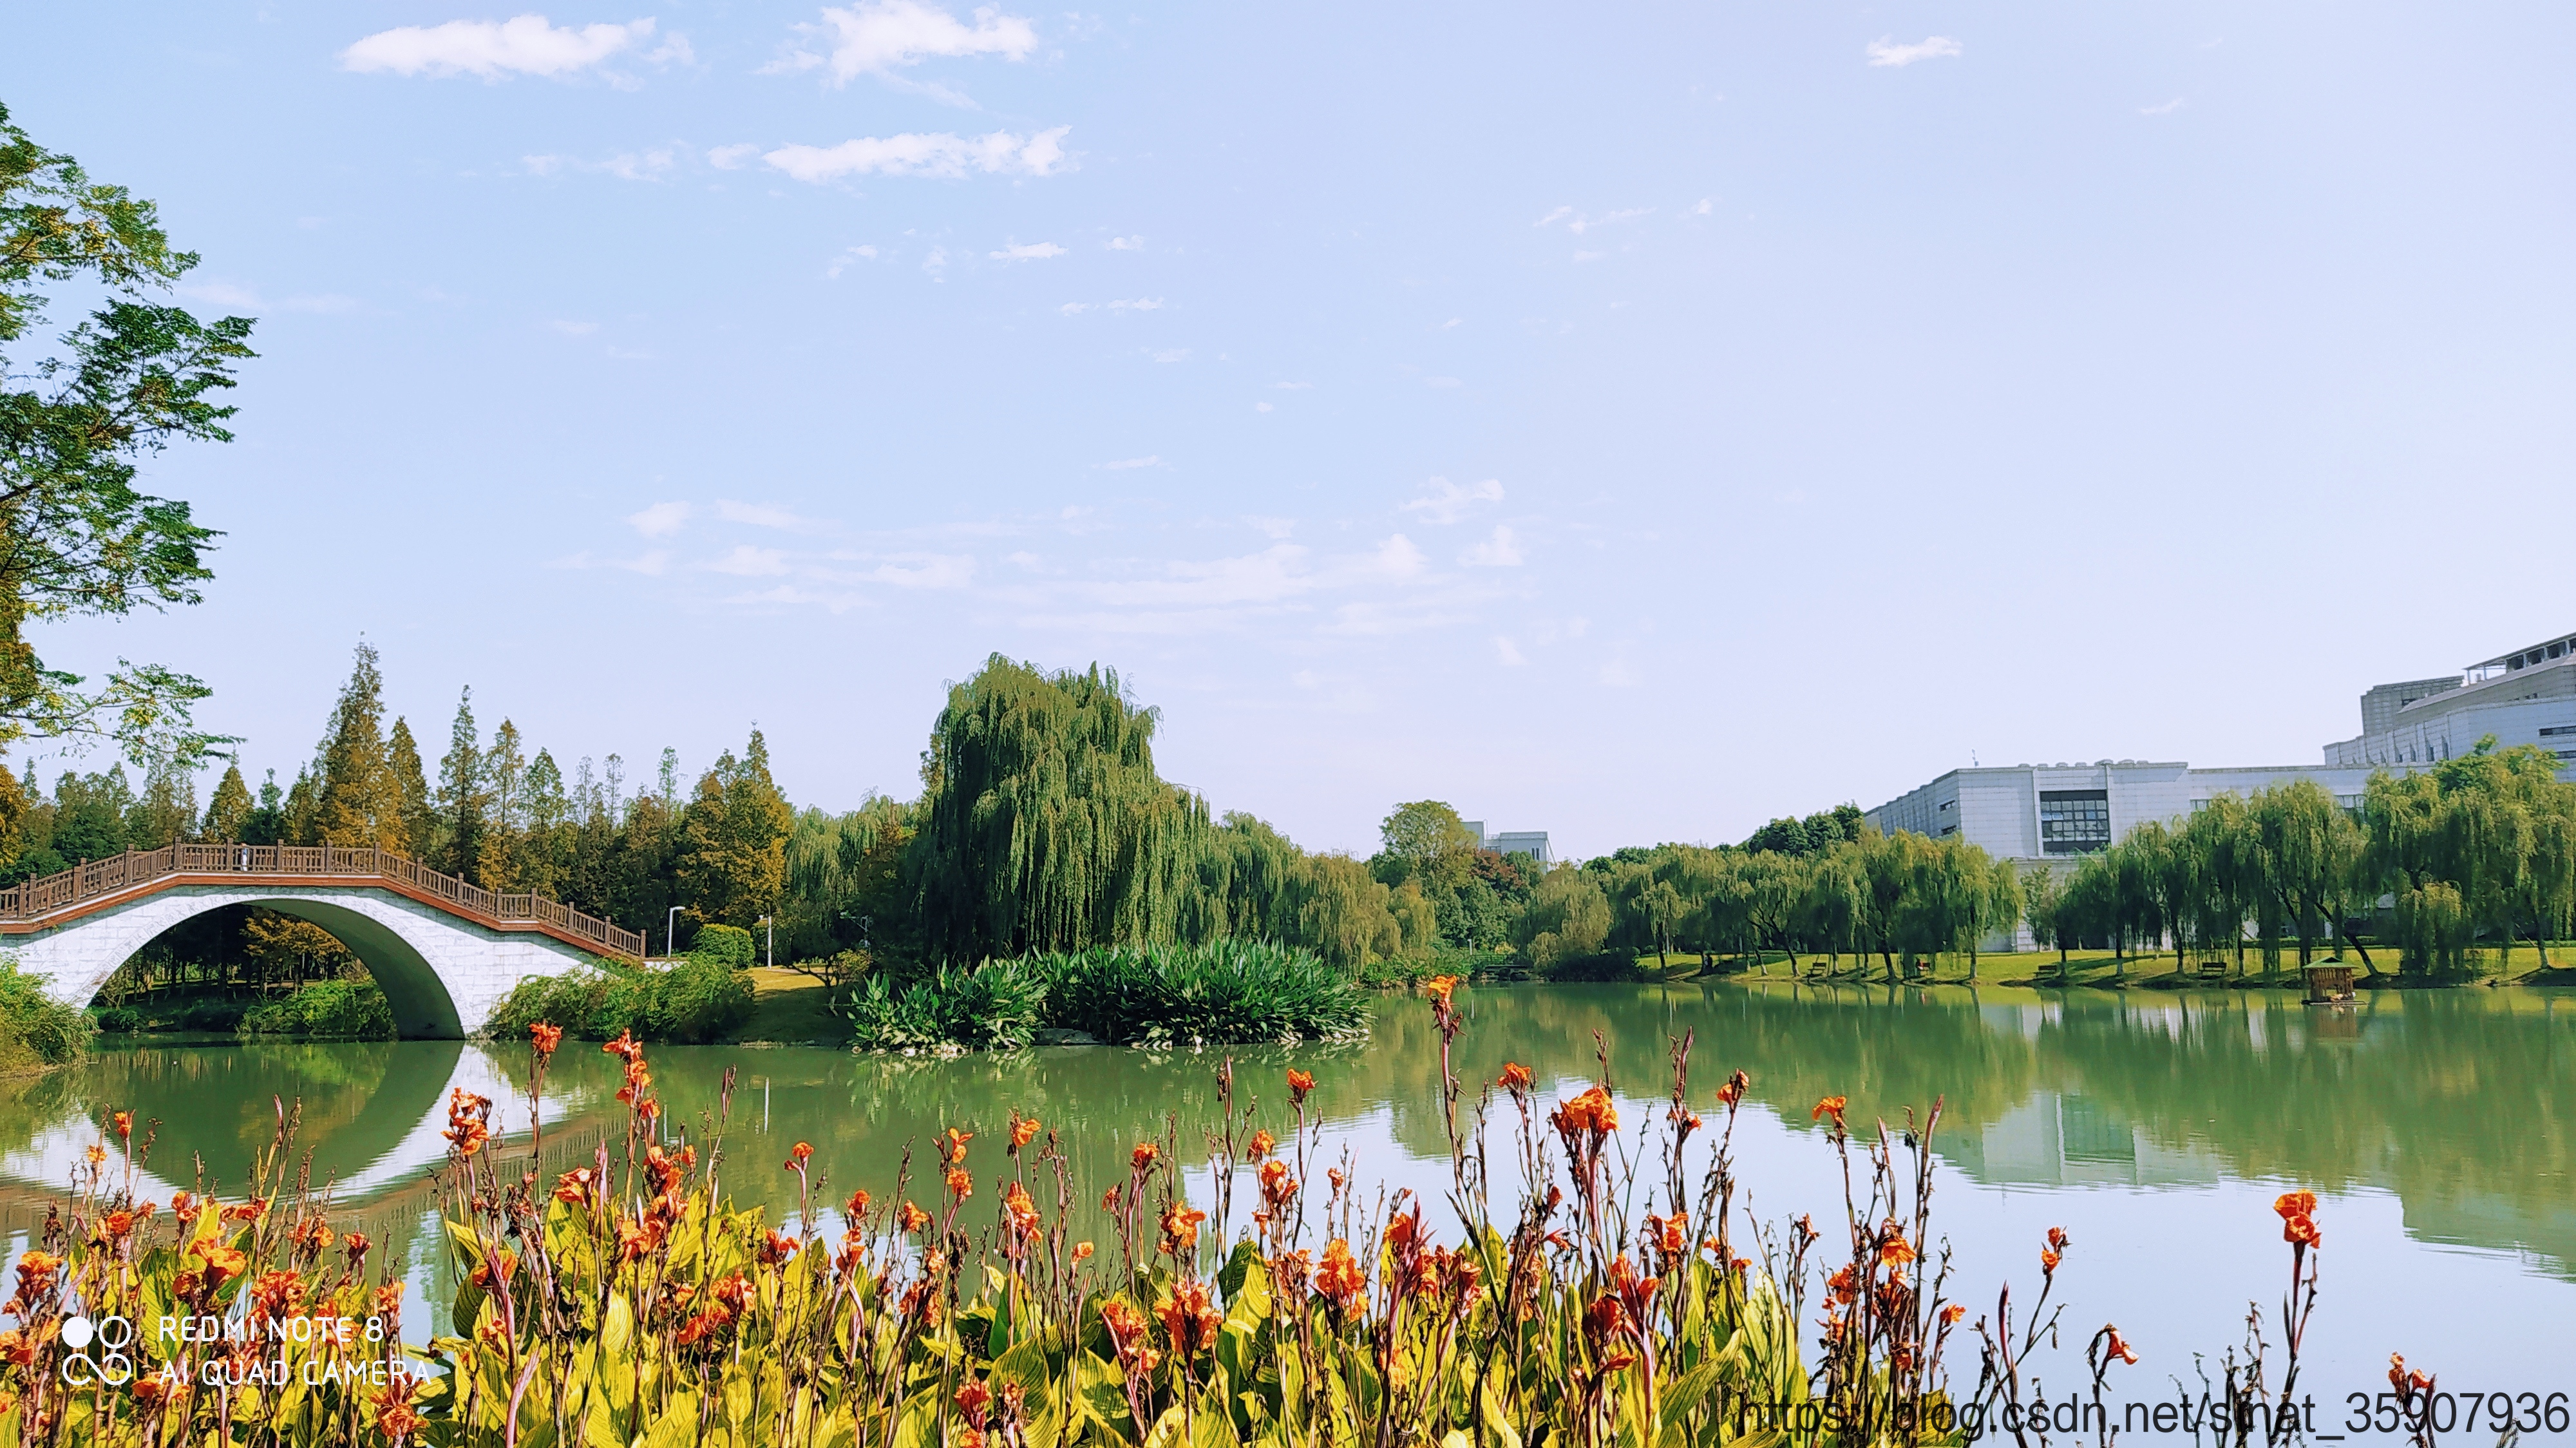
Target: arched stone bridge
x=444, y=951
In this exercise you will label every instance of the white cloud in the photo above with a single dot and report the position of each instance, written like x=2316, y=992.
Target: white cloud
x=1559, y=214
x=1123, y=464
x=1029, y=251
x=661, y=520
x=919, y=154
x=1705, y=206
x=220, y=294
x=1273, y=527
x=877, y=37
x=575, y=329
x=731, y=158
x=843, y=262
x=761, y=515
x=1887, y=51
x=1452, y=322
x=2168, y=108
x=1500, y=551
x=1261, y=407
x=1508, y=652
x=1580, y=223
x=650, y=165
x=1126, y=243
x=1176, y=354
x=745, y=561
x=1398, y=558
x=1447, y=502
x=525, y=45
x=926, y=570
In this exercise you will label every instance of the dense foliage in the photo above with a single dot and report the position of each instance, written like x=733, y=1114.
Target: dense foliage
x=77, y=538
x=353, y=1010
x=698, y=999
x=34, y=1027
x=1222, y=992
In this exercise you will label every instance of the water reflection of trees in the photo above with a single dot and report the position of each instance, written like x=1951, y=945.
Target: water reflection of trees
x=2457, y=1101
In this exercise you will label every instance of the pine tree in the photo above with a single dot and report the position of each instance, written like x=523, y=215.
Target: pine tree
x=266, y=822
x=419, y=820
x=360, y=800
x=303, y=822
x=167, y=810
x=505, y=781
x=228, y=813
x=463, y=804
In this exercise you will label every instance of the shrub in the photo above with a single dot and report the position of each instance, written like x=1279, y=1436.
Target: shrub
x=119, y=1020
x=1224, y=991
x=694, y=1001
x=215, y=1013
x=997, y=1007
x=29, y=1015
x=353, y=1010
x=1606, y=965
x=730, y=946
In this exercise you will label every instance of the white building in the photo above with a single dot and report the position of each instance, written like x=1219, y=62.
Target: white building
x=2524, y=697
x=1532, y=843
x=2049, y=813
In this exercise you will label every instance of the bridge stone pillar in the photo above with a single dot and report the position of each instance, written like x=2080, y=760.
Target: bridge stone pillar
x=442, y=974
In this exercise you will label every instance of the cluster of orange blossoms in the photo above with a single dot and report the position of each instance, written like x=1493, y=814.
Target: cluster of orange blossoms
x=1515, y=1079
x=2054, y=1252
x=2299, y=1219
x=469, y=1121
x=1592, y=1113
x=638, y=1079
x=545, y=1038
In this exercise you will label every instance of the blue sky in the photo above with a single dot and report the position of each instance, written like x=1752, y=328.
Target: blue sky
x=1630, y=421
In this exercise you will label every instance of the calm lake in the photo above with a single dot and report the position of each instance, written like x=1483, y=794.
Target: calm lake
x=2437, y=1127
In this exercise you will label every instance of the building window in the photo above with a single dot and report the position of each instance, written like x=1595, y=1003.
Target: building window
x=2567, y=753
x=1951, y=804
x=2549, y=731
x=2074, y=821
x=1954, y=829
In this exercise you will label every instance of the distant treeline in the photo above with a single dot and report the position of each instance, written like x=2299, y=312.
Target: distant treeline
x=1042, y=826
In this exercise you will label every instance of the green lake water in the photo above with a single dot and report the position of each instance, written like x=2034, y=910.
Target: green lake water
x=2439, y=1128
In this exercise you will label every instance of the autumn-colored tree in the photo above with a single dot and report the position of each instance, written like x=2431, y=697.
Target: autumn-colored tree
x=360, y=800
x=228, y=813
x=419, y=832
x=733, y=840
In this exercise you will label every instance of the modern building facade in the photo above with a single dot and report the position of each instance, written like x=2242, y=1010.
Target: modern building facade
x=2052, y=813
x=2524, y=697
x=1532, y=843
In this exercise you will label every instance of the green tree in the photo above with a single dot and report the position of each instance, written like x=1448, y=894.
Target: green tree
x=360, y=801
x=464, y=803
x=1043, y=824
x=228, y=813
x=417, y=815
x=733, y=840
x=77, y=538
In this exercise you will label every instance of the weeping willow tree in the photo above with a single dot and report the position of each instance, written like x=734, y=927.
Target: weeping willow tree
x=1042, y=823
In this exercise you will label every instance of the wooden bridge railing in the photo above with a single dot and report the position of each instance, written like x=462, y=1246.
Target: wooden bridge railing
x=41, y=897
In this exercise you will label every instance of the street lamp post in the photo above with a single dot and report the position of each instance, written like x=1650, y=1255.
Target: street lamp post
x=671, y=933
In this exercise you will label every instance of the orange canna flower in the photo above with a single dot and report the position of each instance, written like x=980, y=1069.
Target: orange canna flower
x=1263, y=1143
x=1952, y=1313
x=961, y=1184
x=857, y=1205
x=1180, y=1228
x=913, y=1218
x=1830, y=1106
x=1143, y=1156
x=1516, y=1077
x=1591, y=1112
x=1299, y=1083
x=1024, y=1129
x=544, y=1038
x=1734, y=1089
x=1440, y=987
x=2295, y=1204
x=1082, y=1251
x=1339, y=1276
x=124, y=1125
x=2114, y=1347
x=2302, y=1232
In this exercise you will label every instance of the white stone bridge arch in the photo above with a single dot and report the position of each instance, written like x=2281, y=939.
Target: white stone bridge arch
x=444, y=951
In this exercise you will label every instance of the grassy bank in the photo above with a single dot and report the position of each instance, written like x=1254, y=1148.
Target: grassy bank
x=2521, y=965
x=36, y=1030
